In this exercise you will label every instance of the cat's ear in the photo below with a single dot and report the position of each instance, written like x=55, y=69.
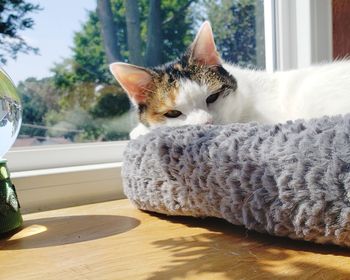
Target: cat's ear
x=135, y=80
x=203, y=50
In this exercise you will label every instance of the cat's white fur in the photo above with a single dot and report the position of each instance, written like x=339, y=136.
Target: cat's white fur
x=266, y=97
x=277, y=97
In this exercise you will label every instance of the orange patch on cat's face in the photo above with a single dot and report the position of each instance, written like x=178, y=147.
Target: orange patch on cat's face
x=160, y=101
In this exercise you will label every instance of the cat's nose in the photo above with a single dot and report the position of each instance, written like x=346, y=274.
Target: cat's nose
x=199, y=117
x=209, y=119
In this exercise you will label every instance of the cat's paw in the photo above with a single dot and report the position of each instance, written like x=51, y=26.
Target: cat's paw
x=139, y=130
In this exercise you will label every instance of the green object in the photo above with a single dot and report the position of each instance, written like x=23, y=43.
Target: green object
x=10, y=215
x=10, y=122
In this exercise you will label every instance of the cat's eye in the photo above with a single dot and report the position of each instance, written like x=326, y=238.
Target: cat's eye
x=212, y=98
x=173, y=114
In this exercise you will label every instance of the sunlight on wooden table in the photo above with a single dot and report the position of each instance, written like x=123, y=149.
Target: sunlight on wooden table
x=113, y=240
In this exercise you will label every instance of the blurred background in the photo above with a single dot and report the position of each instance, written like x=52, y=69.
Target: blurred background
x=57, y=53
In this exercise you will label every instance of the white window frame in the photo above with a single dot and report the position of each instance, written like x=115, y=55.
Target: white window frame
x=57, y=156
x=56, y=176
x=297, y=33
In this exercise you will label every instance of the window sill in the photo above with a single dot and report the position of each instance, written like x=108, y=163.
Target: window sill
x=57, y=156
x=57, y=176
x=53, y=188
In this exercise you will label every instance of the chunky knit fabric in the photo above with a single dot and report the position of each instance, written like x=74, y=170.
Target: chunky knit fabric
x=290, y=179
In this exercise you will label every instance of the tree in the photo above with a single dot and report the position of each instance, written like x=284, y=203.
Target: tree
x=38, y=98
x=177, y=27
x=238, y=29
x=106, y=106
x=13, y=19
x=132, y=17
x=108, y=30
x=90, y=98
x=154, y=34
x=78, y=77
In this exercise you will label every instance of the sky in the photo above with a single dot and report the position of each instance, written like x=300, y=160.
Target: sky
x=52, y=34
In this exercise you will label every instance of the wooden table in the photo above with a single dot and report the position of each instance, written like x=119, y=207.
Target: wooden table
x=113, y=240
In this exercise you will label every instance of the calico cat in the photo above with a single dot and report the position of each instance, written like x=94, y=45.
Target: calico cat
x=199, y=88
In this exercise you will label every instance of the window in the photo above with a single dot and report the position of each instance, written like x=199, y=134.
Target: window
x=67, y=92
x=298, y=33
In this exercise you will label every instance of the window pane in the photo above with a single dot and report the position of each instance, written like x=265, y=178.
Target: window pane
x=68, y=94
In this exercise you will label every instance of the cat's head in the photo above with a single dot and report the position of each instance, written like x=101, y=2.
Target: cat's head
x=190, y=90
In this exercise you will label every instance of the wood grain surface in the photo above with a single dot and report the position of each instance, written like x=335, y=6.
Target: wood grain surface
x=113, y=240
x=341, y=28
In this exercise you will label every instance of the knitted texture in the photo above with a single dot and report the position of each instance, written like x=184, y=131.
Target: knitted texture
x=289, y=179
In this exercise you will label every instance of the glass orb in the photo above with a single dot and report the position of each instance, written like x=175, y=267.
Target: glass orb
x=10, y=113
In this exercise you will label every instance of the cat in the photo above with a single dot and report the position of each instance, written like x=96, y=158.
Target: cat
x=200, y=88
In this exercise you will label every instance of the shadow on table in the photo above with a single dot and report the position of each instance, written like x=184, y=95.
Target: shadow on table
x=57, y=231
x=235, y=253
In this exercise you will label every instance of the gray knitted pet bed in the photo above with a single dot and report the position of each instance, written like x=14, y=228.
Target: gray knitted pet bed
x=290, y=179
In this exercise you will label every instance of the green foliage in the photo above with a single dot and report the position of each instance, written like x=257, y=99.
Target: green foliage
x=176, y=28
x=13, y=19
x=111, y=105
x=89, y=60
x=238, y=28
x=38, y=98
x=89, y=65
x=118, y=10
x=43, y=106
x=76, y=78
x=76, y=125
